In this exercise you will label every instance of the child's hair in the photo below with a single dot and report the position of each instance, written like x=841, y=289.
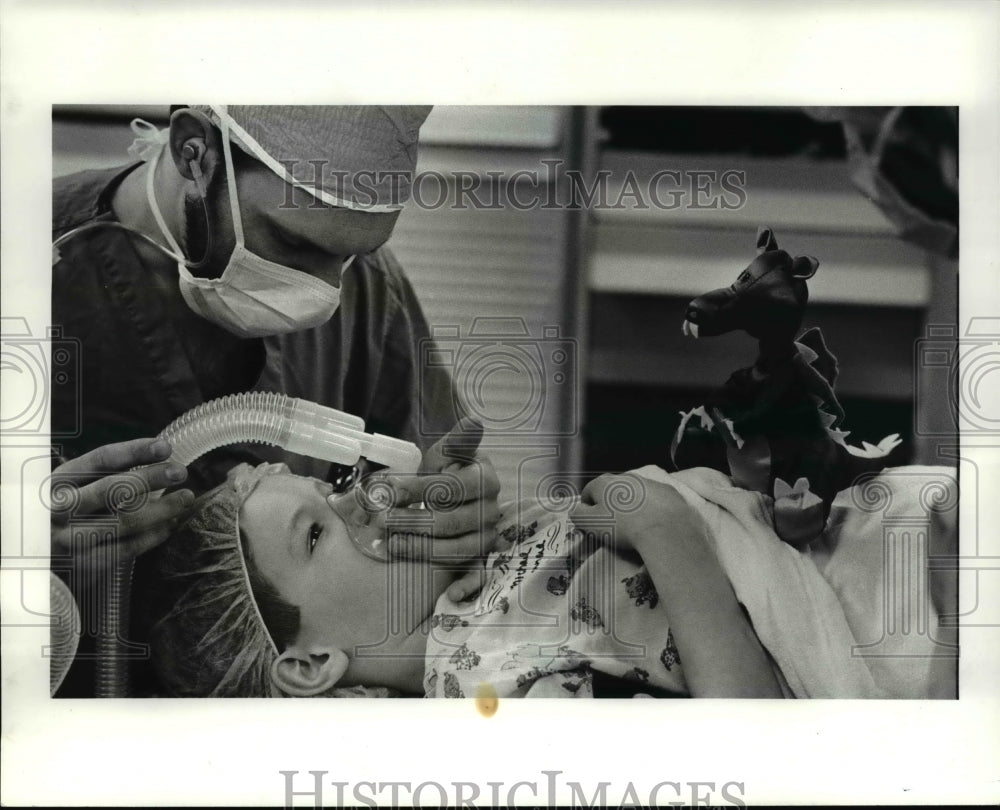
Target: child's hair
x=209, y=638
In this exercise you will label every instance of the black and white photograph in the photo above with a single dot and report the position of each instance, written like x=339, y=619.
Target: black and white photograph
x=622, y=396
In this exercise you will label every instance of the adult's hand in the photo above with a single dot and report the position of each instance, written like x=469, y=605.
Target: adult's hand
x=102, y=482
x=458, y=487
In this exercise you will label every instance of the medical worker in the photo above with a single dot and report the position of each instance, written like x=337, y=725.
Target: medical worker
x=244, y=248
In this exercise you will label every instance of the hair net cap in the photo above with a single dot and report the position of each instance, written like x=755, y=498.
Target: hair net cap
x=210, y=639
x=358, y=157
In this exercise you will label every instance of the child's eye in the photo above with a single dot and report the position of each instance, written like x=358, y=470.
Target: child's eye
x=314, y=532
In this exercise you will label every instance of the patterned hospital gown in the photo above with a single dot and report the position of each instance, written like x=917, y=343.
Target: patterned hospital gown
x=556, y=608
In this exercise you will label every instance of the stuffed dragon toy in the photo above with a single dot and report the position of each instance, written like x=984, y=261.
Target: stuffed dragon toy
x=775, y=427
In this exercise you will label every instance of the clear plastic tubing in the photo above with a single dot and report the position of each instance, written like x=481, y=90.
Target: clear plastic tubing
x=295, y=425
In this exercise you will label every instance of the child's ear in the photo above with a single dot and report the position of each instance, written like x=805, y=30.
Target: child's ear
x=804, y=267
x=307, y=673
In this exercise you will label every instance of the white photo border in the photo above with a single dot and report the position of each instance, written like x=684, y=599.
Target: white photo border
x=230, y=752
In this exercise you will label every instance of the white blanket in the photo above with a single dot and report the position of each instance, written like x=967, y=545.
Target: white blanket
x=858, y=614
x=855, y=616
x=875, y=555
x=794, y=611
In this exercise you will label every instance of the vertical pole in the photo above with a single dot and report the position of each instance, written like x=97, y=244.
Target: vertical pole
x=582, y=158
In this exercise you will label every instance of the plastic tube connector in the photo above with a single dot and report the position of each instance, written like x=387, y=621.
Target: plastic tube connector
x=319, y=429
x=323, y=433
x=296, y=425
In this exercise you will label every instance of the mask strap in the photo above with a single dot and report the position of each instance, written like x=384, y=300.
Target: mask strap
x=250, y=596
x=177, y=254
x=234, y=202
x=244, y=480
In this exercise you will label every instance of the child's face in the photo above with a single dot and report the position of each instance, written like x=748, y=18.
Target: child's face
x=303, y=549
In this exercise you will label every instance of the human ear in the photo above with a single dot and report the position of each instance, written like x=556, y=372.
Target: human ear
x=304, y=673
x=195, y=146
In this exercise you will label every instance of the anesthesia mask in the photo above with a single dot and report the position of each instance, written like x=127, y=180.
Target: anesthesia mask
x=300, y=427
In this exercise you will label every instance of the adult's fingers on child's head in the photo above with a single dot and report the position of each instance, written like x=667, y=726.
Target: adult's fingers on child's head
x=457, y=484
x=478, y=477
x=441, y=489
x=410, y=545
x=110, y=458
x=449, y=550
x=448, y=522
x=127, y=490
x=167, y=511
x=92, y=560
x=475, y=481
x=383, y=491
x=103, y=557
x=163, y=475
x=148, y=539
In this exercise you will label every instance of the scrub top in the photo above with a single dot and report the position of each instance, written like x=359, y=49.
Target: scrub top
x=125, y=372
x=129, y=373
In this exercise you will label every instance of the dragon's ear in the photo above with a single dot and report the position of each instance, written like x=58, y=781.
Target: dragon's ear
x=804, y=267
x=766, y=240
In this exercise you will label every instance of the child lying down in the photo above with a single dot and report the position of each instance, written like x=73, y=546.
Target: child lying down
x=680, y=590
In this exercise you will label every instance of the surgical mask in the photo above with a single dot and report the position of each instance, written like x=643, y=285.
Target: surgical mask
x=253, y=297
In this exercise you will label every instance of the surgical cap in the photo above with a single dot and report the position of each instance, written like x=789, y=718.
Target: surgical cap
x=209, y=639
x=360, y=157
